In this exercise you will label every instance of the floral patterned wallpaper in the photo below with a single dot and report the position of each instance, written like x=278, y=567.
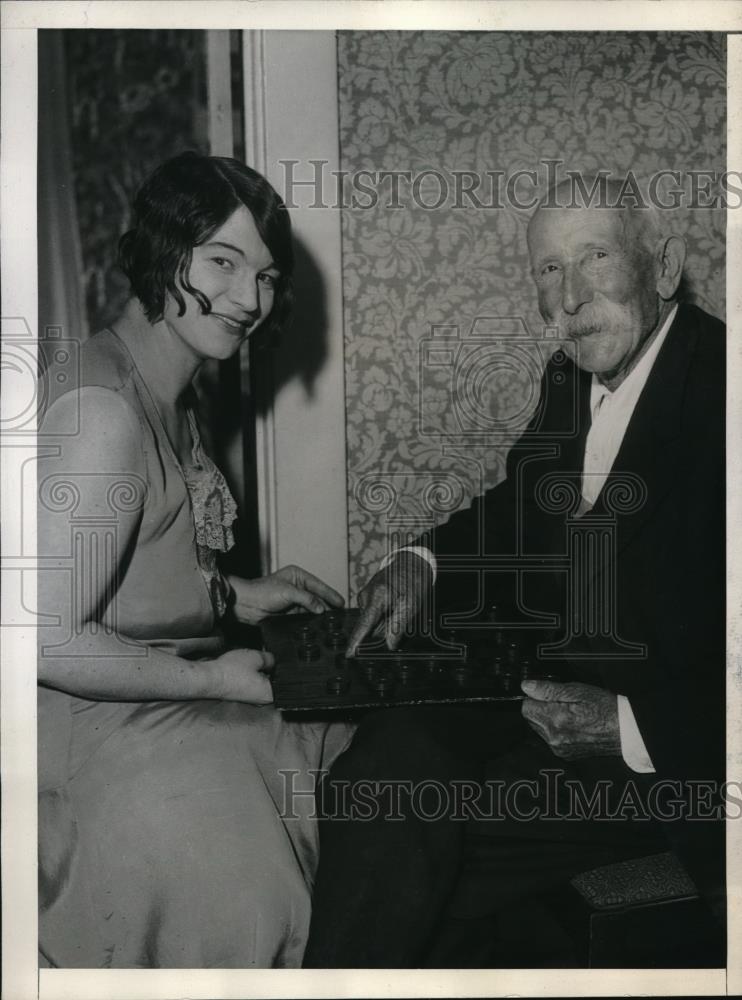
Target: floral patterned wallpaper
x=429, y=424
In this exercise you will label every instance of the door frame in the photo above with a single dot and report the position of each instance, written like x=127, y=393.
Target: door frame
x=291, y=114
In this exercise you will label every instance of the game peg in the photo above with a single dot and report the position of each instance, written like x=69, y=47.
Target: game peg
x=308, y=651
x=338, y=685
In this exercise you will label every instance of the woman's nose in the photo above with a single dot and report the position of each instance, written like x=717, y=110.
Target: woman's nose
x=246, y=295
x=576, y=289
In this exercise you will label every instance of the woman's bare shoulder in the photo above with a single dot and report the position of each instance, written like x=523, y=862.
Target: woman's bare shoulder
x=94, y=427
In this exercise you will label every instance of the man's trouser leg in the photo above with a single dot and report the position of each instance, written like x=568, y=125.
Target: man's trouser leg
x=386, y=887
x=542, y=821
x=383, y=881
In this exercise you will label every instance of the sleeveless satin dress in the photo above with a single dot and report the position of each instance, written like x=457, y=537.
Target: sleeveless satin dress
x=165, y=835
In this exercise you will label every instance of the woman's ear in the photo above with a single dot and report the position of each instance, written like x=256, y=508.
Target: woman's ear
x=671, y=258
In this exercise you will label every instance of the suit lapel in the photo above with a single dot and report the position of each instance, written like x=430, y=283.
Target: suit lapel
x=648, y=460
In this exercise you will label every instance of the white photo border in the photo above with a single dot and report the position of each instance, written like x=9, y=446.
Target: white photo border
x=21, y=978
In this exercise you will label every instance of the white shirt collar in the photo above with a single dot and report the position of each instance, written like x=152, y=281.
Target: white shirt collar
x=635, y=381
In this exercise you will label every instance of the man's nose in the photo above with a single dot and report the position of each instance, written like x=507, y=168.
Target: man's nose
x=576, y=289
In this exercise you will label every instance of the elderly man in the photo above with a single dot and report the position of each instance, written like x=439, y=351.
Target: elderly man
x=630, y=428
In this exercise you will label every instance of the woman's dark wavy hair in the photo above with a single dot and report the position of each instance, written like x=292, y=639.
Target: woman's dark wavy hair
x=183, y=202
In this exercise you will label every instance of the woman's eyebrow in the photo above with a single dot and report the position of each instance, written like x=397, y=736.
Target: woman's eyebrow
x=227, y=246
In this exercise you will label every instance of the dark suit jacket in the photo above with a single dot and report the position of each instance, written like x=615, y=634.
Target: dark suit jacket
x=655, y=630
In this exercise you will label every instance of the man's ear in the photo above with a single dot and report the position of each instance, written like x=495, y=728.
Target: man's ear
x=671, y=258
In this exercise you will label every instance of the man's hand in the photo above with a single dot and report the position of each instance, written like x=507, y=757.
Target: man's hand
x=391, y=599
x=289, y=589
x=575, y=720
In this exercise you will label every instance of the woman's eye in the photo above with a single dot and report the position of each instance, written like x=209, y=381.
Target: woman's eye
x=222, y=262
x=267, y=279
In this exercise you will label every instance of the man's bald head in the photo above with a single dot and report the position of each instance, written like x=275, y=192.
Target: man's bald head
x=642, y=221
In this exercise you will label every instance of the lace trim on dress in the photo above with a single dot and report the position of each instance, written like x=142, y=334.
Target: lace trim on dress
x=214, y=512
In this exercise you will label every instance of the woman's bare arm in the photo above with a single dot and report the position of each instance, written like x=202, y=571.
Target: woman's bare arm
x=98, y=473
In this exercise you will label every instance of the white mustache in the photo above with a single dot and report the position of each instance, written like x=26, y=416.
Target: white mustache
x=583, y=330
x=577, y=327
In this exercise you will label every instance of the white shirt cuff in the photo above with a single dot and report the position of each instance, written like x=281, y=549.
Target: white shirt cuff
x=632, y=745
x=419, y=550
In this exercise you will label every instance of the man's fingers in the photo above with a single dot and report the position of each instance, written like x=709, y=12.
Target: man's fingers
x=548, y=721
x=556, y=691
x=531, y=710
x=364, y=626
x=389, y=594
x=537, y=691
x=370, y=617
x=398, y=622
x=548, y=717
x=364, y=623
x=533, y=713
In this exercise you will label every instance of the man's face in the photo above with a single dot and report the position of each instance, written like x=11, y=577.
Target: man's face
x=595, y=282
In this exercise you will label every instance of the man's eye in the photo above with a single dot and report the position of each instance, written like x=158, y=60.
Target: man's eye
x=267, y=279
x=599, y=254
x=549, y=268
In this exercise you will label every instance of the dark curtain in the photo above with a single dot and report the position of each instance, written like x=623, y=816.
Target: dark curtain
x=61, y=277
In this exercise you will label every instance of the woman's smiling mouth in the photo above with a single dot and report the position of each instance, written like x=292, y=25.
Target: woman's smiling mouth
x=233, y=325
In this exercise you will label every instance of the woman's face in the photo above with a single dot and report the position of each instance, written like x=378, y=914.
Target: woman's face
x=235, y=271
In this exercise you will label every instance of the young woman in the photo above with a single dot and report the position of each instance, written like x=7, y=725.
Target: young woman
x=164, y=837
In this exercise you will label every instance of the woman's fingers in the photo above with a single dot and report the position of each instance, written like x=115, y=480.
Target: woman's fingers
x=243, y=675
x=308, y=581
x=261, y=692
x=260, y=666
x=297, y=596
x=267, y=661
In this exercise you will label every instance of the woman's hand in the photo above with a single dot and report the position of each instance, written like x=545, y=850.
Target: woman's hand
x=289, y=589
x=242, y=675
